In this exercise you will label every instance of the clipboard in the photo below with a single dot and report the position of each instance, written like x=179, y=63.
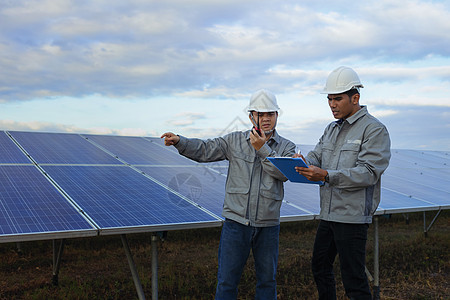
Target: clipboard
x=287, y=165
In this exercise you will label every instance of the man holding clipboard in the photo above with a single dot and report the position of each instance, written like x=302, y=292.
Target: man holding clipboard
x=349, y=158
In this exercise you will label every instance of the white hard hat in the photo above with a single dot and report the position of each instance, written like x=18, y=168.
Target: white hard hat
x=342, y=80
x=263, y=101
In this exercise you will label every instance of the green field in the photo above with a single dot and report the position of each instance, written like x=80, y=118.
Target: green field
x=412, y=266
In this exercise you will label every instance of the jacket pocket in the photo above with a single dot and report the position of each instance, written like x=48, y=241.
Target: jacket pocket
x=274, y=195
x=348, y=155
x=327, y=155
x=349, y=203
x=240, y=169
x=268, y=209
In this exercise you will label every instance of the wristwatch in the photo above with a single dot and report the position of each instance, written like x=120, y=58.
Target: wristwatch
x=327, y=178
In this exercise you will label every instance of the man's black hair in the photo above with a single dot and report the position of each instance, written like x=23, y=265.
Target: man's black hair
x=351, y=93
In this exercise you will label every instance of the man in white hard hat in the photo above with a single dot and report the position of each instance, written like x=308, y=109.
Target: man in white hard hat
x=253, y=195
x=350, y=158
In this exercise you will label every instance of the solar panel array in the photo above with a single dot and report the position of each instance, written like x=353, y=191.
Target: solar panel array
x=57, y=185
x=30, y=204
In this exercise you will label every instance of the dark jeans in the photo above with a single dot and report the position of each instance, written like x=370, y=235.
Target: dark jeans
x=235, y=243
x=349, y=241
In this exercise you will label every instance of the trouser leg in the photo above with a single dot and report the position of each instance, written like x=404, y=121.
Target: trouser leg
x=351, y=245
x=324, y=254
x=265, y=252
x=234, y=249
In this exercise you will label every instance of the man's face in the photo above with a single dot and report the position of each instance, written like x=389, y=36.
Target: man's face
x=342, y=106
x=267, y=120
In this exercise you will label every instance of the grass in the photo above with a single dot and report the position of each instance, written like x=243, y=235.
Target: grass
x=412, y=266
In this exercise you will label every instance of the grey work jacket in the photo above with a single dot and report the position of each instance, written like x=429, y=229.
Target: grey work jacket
x=254, y=187
x=355, y=152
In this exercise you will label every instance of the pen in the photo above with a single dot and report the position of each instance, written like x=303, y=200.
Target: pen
x=299, y=152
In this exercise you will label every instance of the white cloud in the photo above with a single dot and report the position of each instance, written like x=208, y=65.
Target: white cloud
x=185, y=118
x=384, y=113
x=206, y=56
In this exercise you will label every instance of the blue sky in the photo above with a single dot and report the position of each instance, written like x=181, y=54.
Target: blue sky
x=147, y=67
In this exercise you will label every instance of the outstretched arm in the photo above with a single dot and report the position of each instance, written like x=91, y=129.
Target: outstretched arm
x=197, y=149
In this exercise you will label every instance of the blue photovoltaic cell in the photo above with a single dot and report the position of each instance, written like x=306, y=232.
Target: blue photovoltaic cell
x=397, y=202
x=10, y=153
x=290, y=211
x=419, y=159
x=139, y=151
x=416, y=189
x=432, y=178
x=61, y=148
x=199, y=184
x=439, y=154
x=305, y=196
x=433, y=174
x=119, y=197
x=30, y=204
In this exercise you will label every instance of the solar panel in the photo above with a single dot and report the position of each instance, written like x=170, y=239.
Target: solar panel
x=32, y=208
x=419, y=159
x=413, y=187
x=61, y=148
x=200, y=184
x=137, y=150
x=395, y=202
x=9, y=152
x=305, y=196
x=421, y=175
x=445, y=155
x=290, y=212
x=432, y=178
x=119, y=199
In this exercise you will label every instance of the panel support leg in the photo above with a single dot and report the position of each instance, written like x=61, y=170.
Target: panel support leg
x=406, y=215
x=154, y=266
x=376, y=263
x=19, y=247
x=425, y=228
x=134, y=273
x=57, y=260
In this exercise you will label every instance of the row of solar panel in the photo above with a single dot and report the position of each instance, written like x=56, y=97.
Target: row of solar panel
x=65, y=185
x=77, y=189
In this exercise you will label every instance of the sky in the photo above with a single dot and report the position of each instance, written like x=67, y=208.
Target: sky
x=145, y=67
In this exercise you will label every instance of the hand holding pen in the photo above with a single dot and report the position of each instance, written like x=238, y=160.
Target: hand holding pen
x=312, y=173
x=299, y=154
